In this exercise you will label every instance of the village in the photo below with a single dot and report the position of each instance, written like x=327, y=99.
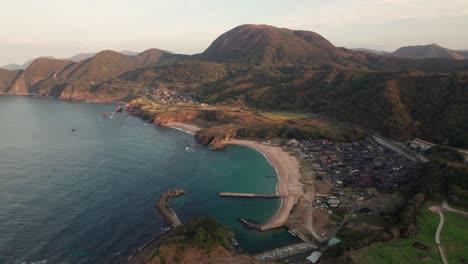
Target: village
x=355, y=172
x=166, y=96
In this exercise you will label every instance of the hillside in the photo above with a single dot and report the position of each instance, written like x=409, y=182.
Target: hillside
x=6, y=79
x=75, y=81
x=428, y=51
x=265, y=67
x=268, y=45
x=399, y=105
x=149, y=57
x=15, y=66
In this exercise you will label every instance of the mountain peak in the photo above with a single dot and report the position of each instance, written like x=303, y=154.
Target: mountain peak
x=265, y=44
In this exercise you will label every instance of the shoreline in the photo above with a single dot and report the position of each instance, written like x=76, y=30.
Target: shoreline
x=289, y=186
x=187, y=128
x=285, y=165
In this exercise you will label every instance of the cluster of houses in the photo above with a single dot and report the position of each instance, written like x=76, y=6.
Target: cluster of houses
x=173, y=97
x=361, y=164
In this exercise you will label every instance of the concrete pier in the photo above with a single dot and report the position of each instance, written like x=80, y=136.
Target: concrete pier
x=249, y=195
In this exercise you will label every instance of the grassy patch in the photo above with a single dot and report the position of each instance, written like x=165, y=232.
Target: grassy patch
x=401, y=250
x=281, y=116
x=454, y=238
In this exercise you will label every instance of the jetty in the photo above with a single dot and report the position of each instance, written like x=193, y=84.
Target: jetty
x=249, y=195
x=165, y=209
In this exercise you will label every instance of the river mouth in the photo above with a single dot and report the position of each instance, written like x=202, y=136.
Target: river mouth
x=89, y=195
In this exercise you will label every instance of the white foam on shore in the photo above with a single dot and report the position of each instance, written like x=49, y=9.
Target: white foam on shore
x=181, y=129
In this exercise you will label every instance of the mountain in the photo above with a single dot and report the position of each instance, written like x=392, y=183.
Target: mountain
x=379, y=52
x=428, y=51
x=75, y=81
x=253, y=45
x=265, y=67
x=12, y=67
x=7, y=78
x=129, y=52
x=84, y=56
x=268, y=45
x=75, y=58
x=149, y=57
x=15, y=66
x=37, y=71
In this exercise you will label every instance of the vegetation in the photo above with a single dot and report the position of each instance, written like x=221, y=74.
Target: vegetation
x=441, y=153
x=285, y=115
x=400, y=105
x=454, y=238
x=204, y=233
x=277, y=69
x=402, y=250
x=445, y=177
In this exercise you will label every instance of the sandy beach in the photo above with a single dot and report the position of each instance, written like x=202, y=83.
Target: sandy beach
x=287, y=168
x=288, y=185
x=189, y=128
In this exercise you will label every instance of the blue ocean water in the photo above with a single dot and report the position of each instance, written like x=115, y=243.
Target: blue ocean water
x=89, y=196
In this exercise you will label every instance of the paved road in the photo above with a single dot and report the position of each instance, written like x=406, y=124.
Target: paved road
x=447, y=208
x=440, y=209
x=437, y=237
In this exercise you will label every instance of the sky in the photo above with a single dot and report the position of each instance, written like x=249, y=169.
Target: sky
x=63, y=28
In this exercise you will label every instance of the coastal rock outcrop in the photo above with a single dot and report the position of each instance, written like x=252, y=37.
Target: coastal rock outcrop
x=119, y=109
x=216, y=137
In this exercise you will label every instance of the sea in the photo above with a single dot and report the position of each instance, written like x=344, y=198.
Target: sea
x=76, y=187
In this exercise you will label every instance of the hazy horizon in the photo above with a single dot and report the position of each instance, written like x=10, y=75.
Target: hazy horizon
x=63, y=29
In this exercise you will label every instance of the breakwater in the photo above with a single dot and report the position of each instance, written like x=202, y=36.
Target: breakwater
x=164, y=206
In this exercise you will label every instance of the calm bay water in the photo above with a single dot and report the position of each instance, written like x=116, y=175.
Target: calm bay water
x=88, y=196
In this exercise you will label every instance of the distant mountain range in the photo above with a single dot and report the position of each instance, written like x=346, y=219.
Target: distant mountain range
x=423, y=52
x=429, y=51
x=380, y=52
x=274, y=68
x=76, y=58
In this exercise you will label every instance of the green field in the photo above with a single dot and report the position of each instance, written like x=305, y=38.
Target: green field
x=454, y=238
x=401, y=250
x=280, y=116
